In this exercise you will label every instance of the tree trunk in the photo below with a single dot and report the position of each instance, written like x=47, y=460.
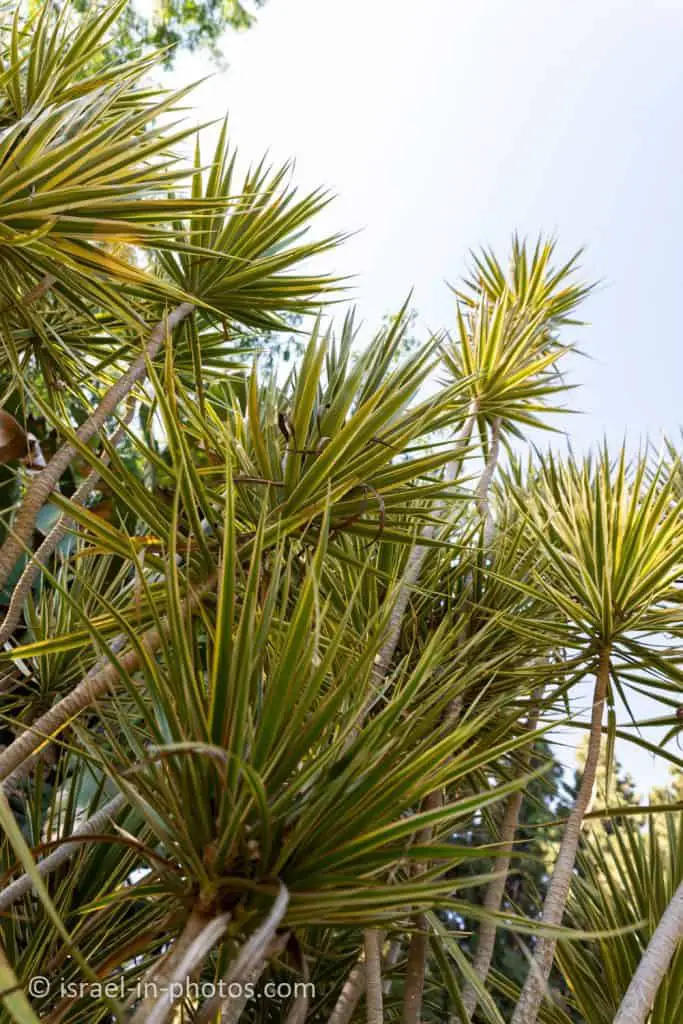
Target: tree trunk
x=417, y=950
x=492, y=901
x=350, y=995
x=641, y=993
x=252, y=960
x=526, y=1011
x=496, y=887
x=373, y=969
x=357, y=980
x=484, y=485
x=414, y=566
x=415, y=972
x=234, y=1008
x=354, y=986
x=160, y=990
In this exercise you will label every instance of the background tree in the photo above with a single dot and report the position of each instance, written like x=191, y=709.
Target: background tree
x=613, y=547
x=546, y=799
x=175, y=25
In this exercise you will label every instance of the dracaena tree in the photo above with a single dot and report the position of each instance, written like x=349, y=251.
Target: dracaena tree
x=505, y=351
x=610, y=542
x=627, y=880
x=190, y=634
x=275, y=650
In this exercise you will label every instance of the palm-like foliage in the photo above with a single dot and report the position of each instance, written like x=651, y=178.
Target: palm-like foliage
x=261, y=661
x=507, y=337
x=87, y=164
x=266, y=547
x=611, y=536
x=612, y=556
x=625, y=882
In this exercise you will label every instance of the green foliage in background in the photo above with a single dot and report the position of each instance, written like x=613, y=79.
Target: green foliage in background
x=175, y=25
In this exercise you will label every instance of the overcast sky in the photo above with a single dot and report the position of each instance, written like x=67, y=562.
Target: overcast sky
x=444, y=125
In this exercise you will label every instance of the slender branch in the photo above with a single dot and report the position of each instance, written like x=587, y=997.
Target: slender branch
x=25, y=581
x=417, y=951
x=95, y=684
x=298, y=1011
x=13, y=781
x=356, y=983
x=354, y=986
x=640, y=995
x=247, y=967
x=484, y=485
x=492, y=901
x=188, y=952
x=234, y=1008
x=496, y=887
x=63, y=854
x=373, y=972
x=44, y=482
x=416, y=966
x=42, y=288
x=414, y=565
x=350, y=995
x=531, y=997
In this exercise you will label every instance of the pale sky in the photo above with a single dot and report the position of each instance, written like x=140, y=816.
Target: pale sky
x=444, y=125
